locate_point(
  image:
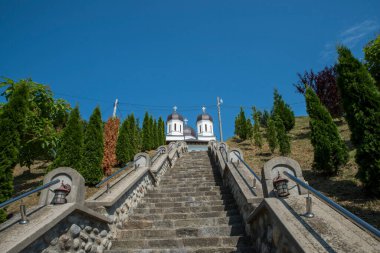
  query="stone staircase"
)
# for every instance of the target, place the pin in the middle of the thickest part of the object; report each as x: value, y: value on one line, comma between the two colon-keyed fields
x: 191, y: 211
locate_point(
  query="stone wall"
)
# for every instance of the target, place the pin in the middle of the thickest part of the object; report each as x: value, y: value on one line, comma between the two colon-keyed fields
x: 74, y: 233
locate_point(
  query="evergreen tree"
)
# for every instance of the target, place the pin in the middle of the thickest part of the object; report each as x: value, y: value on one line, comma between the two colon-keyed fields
x: 271, y: 135
x: 146, y: 133
x: 282, y: 137
x: 161, y: 130
x: 284, y: 111
x: 12, y: 125
x: 242, y: 128
x: 151, y: 132
x: 361, y: 102
x: 256, y: 128
x: 91, y: 168
x: 330, y: 152
x: 264, y: 118
x: 372, y: 59
x: 155, y: 134
x: 69, y: 153
x: 123, y: 146
x: 249, y: 129
x: 134, y: 135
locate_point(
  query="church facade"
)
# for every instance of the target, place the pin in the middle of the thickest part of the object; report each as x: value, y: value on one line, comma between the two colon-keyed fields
x: 177, y: 128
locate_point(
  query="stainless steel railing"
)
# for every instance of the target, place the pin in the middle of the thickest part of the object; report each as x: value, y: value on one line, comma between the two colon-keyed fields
x: 111, y: 176
x: 20, y: 197
x: 361, y: 223
x: 256, y: 177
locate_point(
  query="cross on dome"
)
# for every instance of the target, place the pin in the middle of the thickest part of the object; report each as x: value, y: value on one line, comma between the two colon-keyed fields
x: 186, y: 120
x: 204, y: 109
x: 175, y: 108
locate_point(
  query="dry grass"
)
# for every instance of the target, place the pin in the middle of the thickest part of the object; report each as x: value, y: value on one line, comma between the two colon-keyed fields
x: 344, y: 188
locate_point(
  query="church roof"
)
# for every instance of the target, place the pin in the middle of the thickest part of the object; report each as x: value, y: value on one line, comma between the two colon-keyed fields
x: 175, y: 115
x: 204, y: 116
x: 188, y: 131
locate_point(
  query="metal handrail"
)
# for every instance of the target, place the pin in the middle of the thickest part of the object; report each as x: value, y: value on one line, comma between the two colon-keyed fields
x: 246, y: 165
x: 111, y: 176
x: 337, y: 207
x: 225, y: 152
x: 158, y: 154
x: 40, y: 188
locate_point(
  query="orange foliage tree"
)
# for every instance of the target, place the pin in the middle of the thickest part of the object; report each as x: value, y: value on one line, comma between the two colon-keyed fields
x: 111, y: 129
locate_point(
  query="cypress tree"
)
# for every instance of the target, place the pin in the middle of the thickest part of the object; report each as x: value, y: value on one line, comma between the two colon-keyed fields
x: 330, y: 152
x: 284, y: 111
x: 69, y: 153
x: 372, y: 59
x: 361, y: 102
x: 156, y: 134
x: 123, y: 146
x: 134, y: 135
x: 12, y: 125
x: 91, y: 168
x: 242, y: 126
x: 256, y: 128
x: 271, y: 135
x: 151, y: 132
x: 282, y: 137
x: 161, y: 131
x: 146, y: 133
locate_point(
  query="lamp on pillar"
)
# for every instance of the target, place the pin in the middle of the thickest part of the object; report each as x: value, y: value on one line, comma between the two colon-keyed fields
x: 60, y: 194
x: 281, y: 185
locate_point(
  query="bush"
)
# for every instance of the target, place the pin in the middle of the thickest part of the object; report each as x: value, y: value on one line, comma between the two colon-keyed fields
x: 330, y: 152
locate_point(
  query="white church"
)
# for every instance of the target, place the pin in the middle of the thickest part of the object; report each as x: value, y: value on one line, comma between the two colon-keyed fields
x: 177, y: 128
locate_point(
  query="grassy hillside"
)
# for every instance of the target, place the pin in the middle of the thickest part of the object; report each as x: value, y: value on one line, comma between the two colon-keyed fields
x: 344, y: 188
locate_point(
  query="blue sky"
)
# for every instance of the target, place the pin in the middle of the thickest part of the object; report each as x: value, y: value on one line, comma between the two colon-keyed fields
x: 152, y: 55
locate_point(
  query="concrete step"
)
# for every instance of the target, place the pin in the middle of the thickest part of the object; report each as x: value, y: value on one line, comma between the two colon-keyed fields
x: 186, y: 188
x: 191, y: 184
x: 178, y: 243
x: 190, y: 203
x: 211, y: 195
x: 192, y: 209
x: 192, y: 199
x: 187, y: 250
x: 162, y: 224
x: 182, y: 232
x: 178, y: 216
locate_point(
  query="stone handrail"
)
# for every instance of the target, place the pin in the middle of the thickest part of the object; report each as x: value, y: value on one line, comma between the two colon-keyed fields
x: 90, y: 224
x: 275, y: 223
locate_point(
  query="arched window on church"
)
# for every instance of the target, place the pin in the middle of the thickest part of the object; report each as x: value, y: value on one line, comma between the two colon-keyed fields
x: 180, y: 128
x: 170, y: 128
x: 200, y: 128
x: 175, y: 127
x: 206, y: 128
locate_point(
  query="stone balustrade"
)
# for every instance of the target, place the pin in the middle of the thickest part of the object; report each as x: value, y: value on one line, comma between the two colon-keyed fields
x: 86, y: 225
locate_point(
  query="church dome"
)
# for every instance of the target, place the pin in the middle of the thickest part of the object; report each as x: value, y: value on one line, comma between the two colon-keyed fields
x: 204, y: 115
x: 175, y: 115
x: 188, y: 131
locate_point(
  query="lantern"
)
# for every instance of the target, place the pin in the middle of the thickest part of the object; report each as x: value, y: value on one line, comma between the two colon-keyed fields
x: 281, y: 185
x: 60, y: 194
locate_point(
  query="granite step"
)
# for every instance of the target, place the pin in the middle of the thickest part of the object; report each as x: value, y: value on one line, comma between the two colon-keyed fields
x: 200, y: 202
x: 192, y: 209
x: 178, y: 216
x: 248, y: 249
x: 182, y: 232
x: 150, y: 224
x: 177, y: 243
